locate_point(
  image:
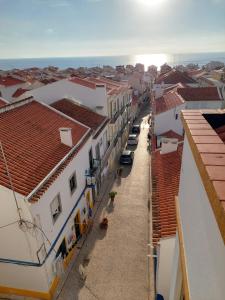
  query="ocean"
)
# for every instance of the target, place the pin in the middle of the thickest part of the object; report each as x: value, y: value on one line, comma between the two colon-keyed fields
x: 146, y: 59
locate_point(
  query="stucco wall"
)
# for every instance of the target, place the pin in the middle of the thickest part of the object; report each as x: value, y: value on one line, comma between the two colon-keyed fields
x: 164, y: 267
x: 66, y: 89
x: 204, y: 247
x: 167, y: 121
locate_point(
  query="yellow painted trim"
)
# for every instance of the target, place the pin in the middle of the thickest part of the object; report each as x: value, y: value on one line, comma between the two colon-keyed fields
x: 182, y: 253
x: 210, y: 190
x: 53, y: 287
x: 22, y: 292
x: 69, y: 257
x: 31, y: 293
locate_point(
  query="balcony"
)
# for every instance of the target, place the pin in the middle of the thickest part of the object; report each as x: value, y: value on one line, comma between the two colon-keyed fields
x: 115, y: 117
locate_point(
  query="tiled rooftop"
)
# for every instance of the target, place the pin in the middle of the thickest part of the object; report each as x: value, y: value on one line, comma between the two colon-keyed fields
x: 30, y: 137
x: 10, y: 81
x: 172, y: 135
x: 112, y: 87
x: 174, y: 77
x: 167, y: 102
x: 199, y: 94
x: 80, y: 113
x: 205, y: 131
x: 165, y: 185
x: 19, y: 92
x: 3, y: 102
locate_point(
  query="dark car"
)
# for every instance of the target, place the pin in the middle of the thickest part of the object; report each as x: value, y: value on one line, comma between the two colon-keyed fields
x: 135, y: 129
x: 127, y: 157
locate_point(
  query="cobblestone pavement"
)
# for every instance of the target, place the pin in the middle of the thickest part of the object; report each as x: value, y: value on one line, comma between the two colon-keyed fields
x: 115, y: 261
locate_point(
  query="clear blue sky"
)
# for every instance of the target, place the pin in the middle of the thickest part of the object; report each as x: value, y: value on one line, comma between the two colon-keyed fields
x: 44, y: 28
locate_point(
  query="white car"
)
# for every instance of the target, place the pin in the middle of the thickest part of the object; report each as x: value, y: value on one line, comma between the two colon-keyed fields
x: 132, y: 139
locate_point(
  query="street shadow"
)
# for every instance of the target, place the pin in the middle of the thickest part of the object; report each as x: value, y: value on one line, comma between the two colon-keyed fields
x: 118, y: 180
x: 110, y: 207
x: 126, y: 171
x: 131, y: 147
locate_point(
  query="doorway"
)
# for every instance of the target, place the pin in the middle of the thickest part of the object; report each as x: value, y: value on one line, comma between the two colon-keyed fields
x: 62, y: 249
x: 77, y: 226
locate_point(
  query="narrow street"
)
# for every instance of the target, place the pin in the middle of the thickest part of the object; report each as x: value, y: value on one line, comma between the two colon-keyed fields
x: 115, y: 260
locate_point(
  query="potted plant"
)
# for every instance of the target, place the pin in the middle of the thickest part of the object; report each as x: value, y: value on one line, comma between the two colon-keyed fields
x: 104, y: 223
x: 112, y: 195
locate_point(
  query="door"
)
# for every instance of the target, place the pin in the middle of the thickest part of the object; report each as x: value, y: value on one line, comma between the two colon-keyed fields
x: 97, y: 151
x: 77, y: 226
x: 62, y: 249
x: 91, y: 159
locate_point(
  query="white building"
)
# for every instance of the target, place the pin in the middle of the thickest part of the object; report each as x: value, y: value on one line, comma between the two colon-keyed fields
x: 166, y: 110
x: 104, y: 96
x: 46, y: 197
x: 199, y: 257
x: 98, y: 154
x: 9, y: 85
x: 169, y: 79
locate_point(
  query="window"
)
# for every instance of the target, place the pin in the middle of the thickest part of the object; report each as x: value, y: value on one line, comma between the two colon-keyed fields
x: 73, y: 183
x: 176, y: 116
x: 56, y: 208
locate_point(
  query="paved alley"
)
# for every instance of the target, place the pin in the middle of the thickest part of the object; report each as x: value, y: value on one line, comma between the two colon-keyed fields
x: 115, y: 260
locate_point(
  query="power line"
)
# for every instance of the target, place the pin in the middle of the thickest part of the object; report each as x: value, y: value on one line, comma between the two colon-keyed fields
x: 10, y: 180
x: 3, y: 226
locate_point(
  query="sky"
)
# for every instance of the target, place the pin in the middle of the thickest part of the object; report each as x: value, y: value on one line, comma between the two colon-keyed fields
x: 58, y: 28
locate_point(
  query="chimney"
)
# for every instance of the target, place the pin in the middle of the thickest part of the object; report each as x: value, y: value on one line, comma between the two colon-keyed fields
x: 168, y: 145
x: 66, y: 136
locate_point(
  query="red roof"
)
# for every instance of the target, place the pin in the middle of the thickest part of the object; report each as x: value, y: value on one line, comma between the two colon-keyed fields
x: 172, y: 135
x: 112, y: 87
x: 83, y: 82
x: 19, y: 92
x: 165, y: 186
x: 167, y: 102
x: 199, y: 94
x: 3, y: 102
x: 31, y: 140
x: 173, y: 77
x: 80, y: 113
x: 9, y: 81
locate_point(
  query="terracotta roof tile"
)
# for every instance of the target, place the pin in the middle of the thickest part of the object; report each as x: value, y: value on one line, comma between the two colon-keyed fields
x: 199, y: 94
x: 3, y: 102
x: 173, y: 77
x: 173, y: 135
x: 10, y: 81
x: 19, y: 92
x: 80, y: 113
x: 165, y: 185
x: 30, y: 137
x: 167, y: 102
x: 83, y: 82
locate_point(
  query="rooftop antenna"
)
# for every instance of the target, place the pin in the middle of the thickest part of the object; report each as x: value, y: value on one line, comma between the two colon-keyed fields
x: 10, y: 181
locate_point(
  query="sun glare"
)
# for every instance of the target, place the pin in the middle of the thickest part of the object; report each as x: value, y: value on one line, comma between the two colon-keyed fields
x: 151, y: 59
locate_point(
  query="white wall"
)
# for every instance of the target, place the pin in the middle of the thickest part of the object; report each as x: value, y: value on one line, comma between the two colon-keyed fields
x: 167, y: 121
x: 176, y: 275
x: 203, y: 104
x: 164, y: 268
x: 18, y: 244
x: 204, y: 247
x: 24, y: 245
x: 66, y: 89
x: 7, y: 92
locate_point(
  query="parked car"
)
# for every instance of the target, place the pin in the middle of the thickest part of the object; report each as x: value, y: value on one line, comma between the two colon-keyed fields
x: 132, y: 139
x: 136, y: 129
x: 127, y: 157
